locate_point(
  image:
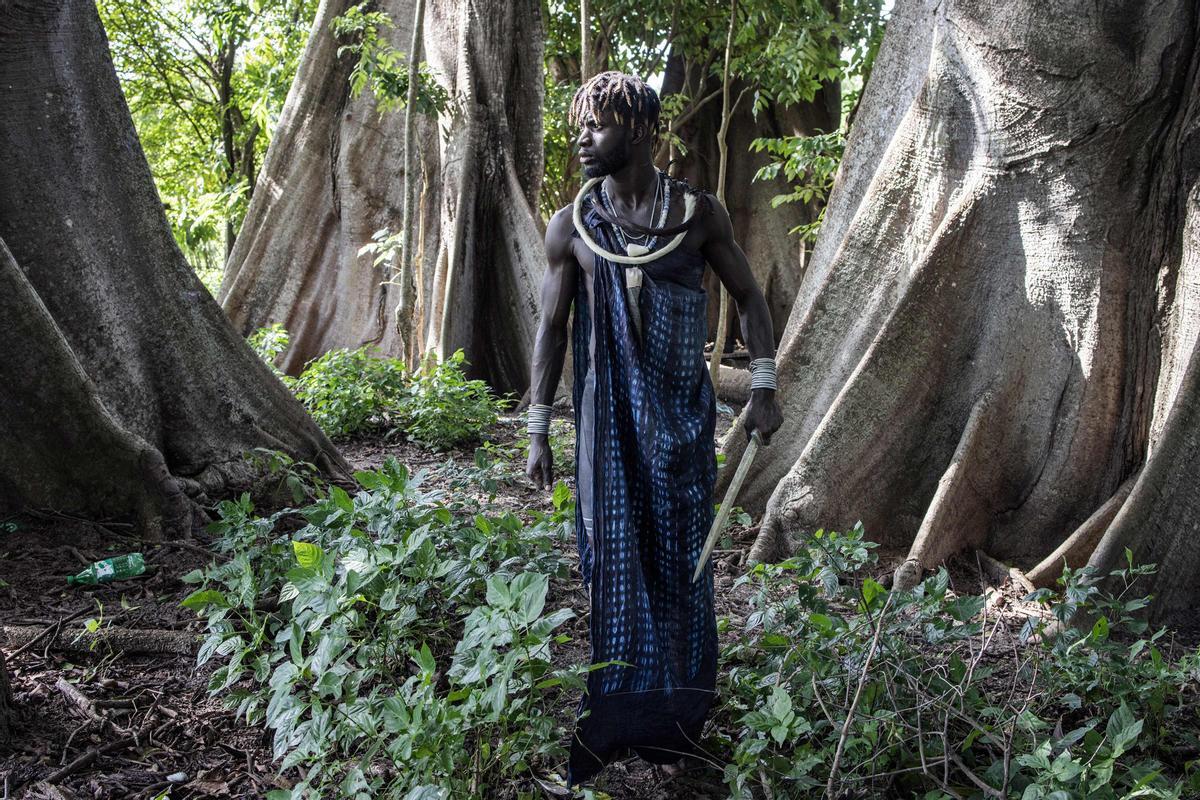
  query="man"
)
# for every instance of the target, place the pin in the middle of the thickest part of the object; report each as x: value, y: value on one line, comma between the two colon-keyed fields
x: 630, y: 254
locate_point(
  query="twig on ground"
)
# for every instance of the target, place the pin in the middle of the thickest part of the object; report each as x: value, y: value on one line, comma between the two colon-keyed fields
x: 862, y: 679
x: 86, y: 759
x: 77, y: 698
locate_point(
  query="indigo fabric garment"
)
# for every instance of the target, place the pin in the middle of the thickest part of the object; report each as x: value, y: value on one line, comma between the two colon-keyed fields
x: 653, y: 467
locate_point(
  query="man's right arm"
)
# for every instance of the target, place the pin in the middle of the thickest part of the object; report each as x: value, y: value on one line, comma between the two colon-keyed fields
x: 550, y: 346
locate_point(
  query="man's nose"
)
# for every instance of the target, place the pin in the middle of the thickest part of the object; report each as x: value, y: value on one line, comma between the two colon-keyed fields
x: 584, y: 138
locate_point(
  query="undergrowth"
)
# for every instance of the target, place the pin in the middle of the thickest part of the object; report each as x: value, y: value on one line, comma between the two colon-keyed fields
x: 841, y: 688
x: 398, y: 642
x: 397, y: 645
x: 353, y: 391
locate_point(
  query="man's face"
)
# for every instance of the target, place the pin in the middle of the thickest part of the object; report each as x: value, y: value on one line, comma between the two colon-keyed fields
x: 604, y: 145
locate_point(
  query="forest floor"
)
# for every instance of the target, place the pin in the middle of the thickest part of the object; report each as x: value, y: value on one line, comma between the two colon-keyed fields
x: 134, y: 719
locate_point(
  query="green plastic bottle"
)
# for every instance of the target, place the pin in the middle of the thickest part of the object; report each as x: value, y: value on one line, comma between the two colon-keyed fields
x: 111, y: 569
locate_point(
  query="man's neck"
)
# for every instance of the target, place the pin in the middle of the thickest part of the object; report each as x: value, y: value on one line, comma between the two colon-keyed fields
x: 634, y: 185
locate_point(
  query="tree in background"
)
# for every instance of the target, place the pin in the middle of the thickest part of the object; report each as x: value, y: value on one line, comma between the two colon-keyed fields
x: 205, y: 81
x: 310, y: 253
x: 995, y: 345
x: 128, y: 393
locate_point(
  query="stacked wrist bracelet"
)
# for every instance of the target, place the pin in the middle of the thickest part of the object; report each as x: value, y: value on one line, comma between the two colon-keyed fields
x: 539, y: 419
x: 762, y: 374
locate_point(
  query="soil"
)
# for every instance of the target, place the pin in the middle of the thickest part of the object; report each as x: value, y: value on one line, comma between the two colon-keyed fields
x: 185, y: 745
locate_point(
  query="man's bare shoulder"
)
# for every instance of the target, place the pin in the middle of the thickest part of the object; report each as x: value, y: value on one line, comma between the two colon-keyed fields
x: 558, y: 233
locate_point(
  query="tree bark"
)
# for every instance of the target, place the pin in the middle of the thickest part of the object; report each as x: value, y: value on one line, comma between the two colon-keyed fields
x: 1000, y: 310
x: 334, y: 175
x: 131, y: 394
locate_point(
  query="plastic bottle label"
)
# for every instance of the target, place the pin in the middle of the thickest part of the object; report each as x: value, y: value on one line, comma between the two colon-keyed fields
x: 104, y: 569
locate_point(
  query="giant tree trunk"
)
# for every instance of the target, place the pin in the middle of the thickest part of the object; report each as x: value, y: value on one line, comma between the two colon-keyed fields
x: 127, y: 392
x: 334, y: 175
x: 1001, y: 305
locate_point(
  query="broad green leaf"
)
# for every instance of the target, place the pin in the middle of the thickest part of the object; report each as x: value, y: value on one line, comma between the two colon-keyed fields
x: 308, y: 555
x: 199, y: 600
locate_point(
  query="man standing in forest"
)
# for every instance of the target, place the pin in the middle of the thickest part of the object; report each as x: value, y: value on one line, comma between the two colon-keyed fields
x: 630, y: 254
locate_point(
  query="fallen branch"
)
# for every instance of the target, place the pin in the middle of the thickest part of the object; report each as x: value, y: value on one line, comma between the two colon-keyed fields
x: 85, y: 760
x: 131, y: 641
x: 55, y: 626
x: 77, y: 698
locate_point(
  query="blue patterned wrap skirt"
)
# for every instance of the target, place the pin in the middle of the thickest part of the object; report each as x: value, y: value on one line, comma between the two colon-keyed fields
x: 646, y: 467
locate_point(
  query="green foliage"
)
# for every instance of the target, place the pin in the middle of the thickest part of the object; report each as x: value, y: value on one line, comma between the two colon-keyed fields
x: 397, y: 643
x: 269, y: 343
x: 442, y: 408
x: 204, y: 128
x: 351, y: 391
x: 380, y: 66
x: 348, y: 391
x: 810, y: 164
x: 943, y: 708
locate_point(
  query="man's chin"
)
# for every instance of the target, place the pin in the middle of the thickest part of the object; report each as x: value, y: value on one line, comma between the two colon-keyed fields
x: 595, y: 170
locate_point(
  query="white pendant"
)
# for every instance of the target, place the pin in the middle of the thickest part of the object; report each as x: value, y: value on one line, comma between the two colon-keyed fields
x: 636, y: 250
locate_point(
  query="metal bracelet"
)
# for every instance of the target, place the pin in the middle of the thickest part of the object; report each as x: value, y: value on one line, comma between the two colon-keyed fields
x: 763, y: 374
x: 539, y: 419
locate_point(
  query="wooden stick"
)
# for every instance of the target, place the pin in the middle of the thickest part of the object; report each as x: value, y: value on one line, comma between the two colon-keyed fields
x: 54, y: 626
x: 77, y: 698
x: 151, y: 641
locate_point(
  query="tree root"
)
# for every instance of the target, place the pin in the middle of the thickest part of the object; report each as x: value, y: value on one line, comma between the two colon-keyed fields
x: 957, y: 515
x: 1079, y: 546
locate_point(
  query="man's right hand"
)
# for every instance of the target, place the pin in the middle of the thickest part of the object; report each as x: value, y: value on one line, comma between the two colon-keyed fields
x: 540, y: 468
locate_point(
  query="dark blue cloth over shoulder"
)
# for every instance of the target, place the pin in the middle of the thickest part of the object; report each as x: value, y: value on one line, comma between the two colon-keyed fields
x: 652, y: 477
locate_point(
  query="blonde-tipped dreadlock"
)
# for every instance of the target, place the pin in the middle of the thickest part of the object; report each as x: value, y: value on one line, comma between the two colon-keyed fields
x: 629, y: 99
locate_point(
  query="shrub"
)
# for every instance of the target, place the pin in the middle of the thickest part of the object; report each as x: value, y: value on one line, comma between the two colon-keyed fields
x: 348, y: 391
x: 836, y: 686
x: 407, y: 648
x: 443, y: 409
x: 351, y: 391
x: 269, y: 342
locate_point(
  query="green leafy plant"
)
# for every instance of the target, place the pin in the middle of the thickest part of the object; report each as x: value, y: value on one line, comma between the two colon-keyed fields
x: 399, y: 642
x: 810, y: 164
x: 442, y: 408
x: 269, y: 342
x: 382, y: 67
x: 836, y: 684
x: 348, y: 391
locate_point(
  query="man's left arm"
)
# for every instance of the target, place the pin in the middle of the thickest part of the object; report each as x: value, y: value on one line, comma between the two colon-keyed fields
x: 726, y: 258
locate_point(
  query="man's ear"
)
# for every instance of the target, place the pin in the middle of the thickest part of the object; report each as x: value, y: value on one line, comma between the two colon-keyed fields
x: 641, y: 132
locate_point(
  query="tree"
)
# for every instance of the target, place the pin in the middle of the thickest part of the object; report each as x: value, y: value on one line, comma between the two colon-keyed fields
x: 130, y: 395
x: 997, y: 329
x: 205, y: 80
x: 334, y: 167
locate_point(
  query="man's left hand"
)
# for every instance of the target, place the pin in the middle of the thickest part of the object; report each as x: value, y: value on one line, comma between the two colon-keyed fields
x: 763, y: 414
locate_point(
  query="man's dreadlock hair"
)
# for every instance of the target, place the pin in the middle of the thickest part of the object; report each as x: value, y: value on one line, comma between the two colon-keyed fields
x: 629, y: 99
